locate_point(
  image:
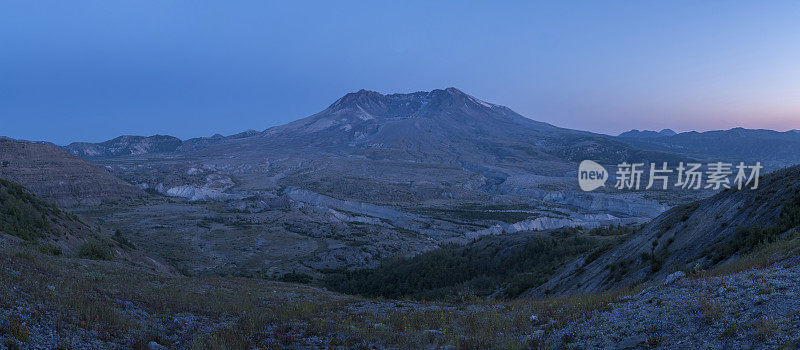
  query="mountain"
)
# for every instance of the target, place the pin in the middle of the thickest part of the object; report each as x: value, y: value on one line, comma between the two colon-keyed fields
x: 369, y: 177
x: 387, y: 148
x: 699, y: 235
x: 439, y: 126
x: 58, y: 176
x: 125, y: 146
x: 445, y: 126
x: 647, y: 133
x: 773, y: 148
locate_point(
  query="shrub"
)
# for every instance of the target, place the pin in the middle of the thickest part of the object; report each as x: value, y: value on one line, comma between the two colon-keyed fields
x: 50, y: 249
x: 94, y: 249
x: 295, y: 277
x: 122, y: 241
x: 731, y: 331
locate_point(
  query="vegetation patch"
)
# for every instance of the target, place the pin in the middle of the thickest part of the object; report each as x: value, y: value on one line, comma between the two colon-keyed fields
x: 95, y: 249
x: 489, y: 266
x: 22, y: 214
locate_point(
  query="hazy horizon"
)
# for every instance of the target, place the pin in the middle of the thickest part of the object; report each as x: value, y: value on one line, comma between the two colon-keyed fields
x: 92, y: 70
x: 176, y: 133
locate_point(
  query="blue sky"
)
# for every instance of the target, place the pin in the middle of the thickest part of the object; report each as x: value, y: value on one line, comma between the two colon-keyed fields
x: 92, y: 70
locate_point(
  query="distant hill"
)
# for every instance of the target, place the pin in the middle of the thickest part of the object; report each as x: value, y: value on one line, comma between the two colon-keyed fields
x: 55, y: 175
x: 647, y: 133
x: 125, y: 146
x: 777, y: 149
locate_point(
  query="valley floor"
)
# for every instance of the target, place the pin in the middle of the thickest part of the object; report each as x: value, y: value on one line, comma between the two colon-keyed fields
x: 52, y: 302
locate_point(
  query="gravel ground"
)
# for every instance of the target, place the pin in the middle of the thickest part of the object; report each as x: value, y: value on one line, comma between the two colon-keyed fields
x: 755, y: 309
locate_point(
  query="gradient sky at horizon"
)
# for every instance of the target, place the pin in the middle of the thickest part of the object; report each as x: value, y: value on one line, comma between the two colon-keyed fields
x: 92, y: 70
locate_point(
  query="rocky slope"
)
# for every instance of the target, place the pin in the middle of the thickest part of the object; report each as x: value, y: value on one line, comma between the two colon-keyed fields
x: 57, y: 176
x: 754, y: 309
x: 702, y: 234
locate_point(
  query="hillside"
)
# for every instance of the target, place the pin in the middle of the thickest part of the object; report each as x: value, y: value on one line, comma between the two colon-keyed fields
x: 33, y: 223
x: 26, y: 217
x: 699, y: 235
x: 54, y: 175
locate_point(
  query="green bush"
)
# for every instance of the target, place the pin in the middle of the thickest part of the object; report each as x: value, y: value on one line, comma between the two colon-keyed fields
x: 22, y: 214
x: 95, y: 249
x: 50, y: 249
x: 122, y: 242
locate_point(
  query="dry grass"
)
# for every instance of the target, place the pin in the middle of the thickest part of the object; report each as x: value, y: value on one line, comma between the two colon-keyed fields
x: 17, y: 329
x: 710, y: 310
x: 654, y: 335
x: 762, y: 257
x: 765, y: 327
x: 241, y: 312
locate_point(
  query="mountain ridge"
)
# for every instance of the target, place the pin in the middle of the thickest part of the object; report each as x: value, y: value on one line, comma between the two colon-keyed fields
x: 647, y: 133
x: 419, y: 126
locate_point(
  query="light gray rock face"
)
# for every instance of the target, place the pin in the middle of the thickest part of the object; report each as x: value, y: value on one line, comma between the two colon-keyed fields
x: 546, y: 222
x: 674, y: 277
x: 195, y: 193
x: 350, y: 206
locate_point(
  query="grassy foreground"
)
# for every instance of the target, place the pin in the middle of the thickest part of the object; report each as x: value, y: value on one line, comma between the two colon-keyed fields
x: 60, y: 300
